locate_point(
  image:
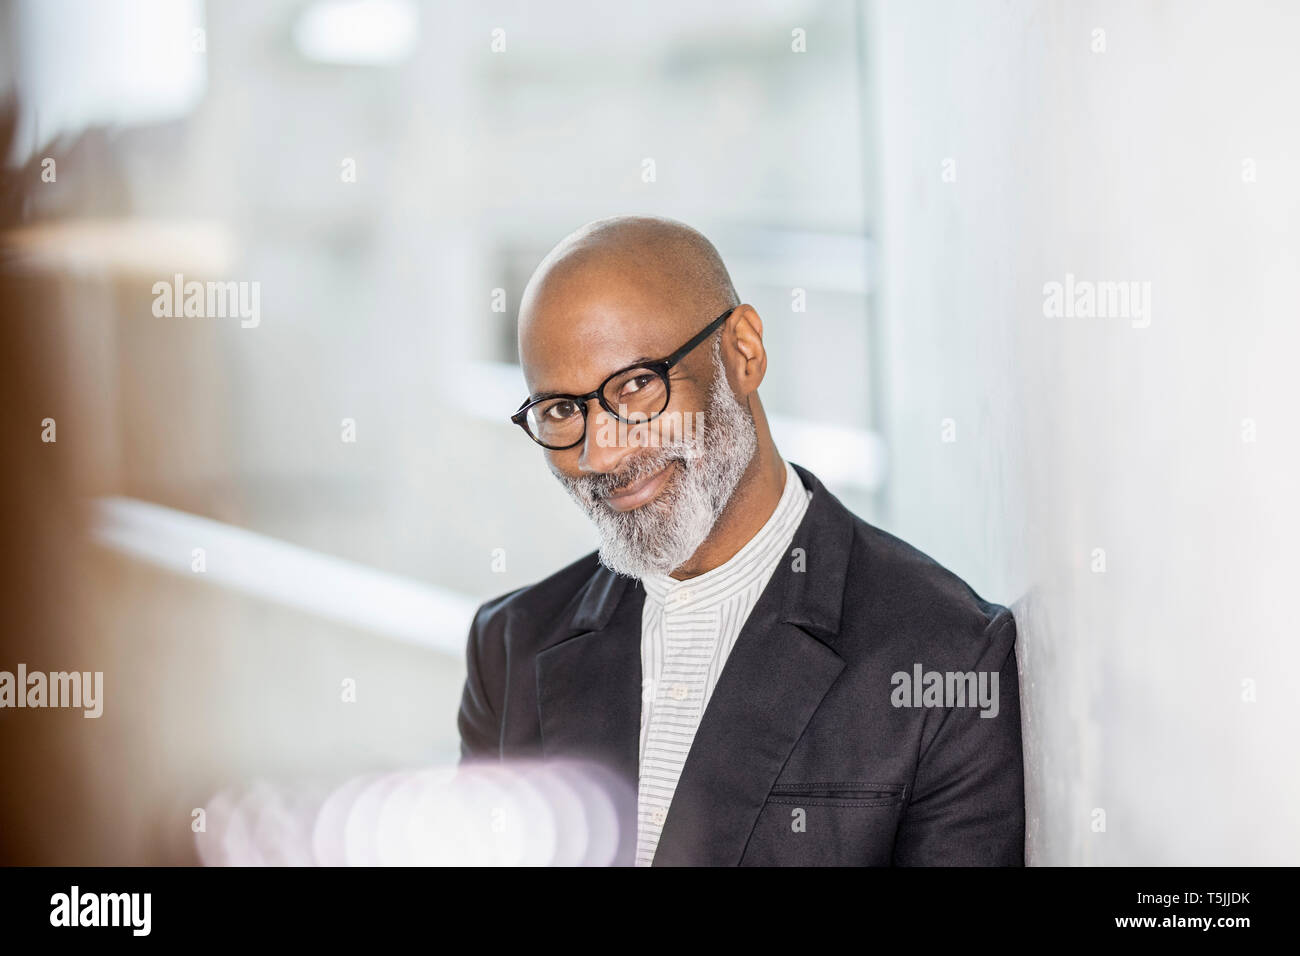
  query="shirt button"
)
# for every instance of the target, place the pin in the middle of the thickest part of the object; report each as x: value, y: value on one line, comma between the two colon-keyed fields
x: 680, y: 692
x: 658, y: 815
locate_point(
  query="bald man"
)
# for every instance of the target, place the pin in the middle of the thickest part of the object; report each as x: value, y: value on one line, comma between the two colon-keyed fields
x: 777, y: 681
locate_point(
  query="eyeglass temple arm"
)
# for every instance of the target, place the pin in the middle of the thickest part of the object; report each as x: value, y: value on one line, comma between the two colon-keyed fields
x: 704, y: 333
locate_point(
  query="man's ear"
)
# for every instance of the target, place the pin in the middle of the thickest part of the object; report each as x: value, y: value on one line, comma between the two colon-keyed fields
x: 747, y: 358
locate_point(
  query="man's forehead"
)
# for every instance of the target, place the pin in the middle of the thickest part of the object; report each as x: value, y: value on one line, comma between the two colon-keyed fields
x: 572, y: 348
x: 611, y: 296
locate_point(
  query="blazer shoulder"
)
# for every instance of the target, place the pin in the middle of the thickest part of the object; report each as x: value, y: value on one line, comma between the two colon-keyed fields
x: 488, y: 649
x: 544, y: 599
x: 924, y: 598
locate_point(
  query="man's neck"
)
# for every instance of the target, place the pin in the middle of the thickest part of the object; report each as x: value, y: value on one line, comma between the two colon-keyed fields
x: 751, y: 505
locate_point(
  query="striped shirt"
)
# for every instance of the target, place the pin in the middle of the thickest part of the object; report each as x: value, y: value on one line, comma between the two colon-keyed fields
x: 687, y: 630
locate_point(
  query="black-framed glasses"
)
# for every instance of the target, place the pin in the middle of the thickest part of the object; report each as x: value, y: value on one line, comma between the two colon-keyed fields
x: 637, y: 393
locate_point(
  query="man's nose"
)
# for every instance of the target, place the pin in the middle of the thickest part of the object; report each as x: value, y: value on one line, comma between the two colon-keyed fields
x: 606, y: 443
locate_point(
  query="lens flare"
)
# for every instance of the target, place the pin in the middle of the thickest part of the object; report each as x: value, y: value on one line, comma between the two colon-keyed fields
x: 518, y: 813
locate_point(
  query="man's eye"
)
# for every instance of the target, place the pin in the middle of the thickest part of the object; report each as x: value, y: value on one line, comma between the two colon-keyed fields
x: 560, y: 411
x: 636, y: 383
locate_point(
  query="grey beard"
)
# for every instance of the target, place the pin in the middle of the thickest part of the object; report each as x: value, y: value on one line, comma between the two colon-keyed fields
x: 661, y: 535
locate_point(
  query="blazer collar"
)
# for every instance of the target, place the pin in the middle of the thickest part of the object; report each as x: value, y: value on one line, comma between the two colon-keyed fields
x: 814, y: 596
x: 780, y: 668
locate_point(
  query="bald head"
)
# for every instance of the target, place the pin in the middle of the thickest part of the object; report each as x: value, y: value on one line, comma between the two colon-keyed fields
x: 619, y: 290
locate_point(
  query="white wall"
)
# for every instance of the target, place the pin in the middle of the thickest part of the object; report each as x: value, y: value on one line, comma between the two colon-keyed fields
x: 1075, y: 434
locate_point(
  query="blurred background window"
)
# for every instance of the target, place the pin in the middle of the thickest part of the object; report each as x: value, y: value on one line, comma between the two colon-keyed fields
x: 389, y: 173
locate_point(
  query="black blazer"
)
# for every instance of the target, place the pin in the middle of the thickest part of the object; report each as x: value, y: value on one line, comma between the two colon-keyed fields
x: 800, y: 758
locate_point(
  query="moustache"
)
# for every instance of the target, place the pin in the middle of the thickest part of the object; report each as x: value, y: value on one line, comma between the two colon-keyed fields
x: 600, y: 487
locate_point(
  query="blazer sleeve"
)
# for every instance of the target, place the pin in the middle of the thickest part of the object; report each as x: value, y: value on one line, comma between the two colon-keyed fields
x: 479, y: 719
x: 968, y: 797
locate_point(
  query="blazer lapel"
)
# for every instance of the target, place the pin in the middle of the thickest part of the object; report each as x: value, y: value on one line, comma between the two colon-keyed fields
x: 775, y: 677
x: 773, y: 681
x: 589, y: 692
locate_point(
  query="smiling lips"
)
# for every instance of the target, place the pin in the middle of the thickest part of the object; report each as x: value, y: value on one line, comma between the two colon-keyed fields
x: 641, y: 492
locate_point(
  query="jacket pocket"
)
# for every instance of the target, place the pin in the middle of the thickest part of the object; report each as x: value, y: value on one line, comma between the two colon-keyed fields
x: 834, y: 823
x: 838, y: 794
